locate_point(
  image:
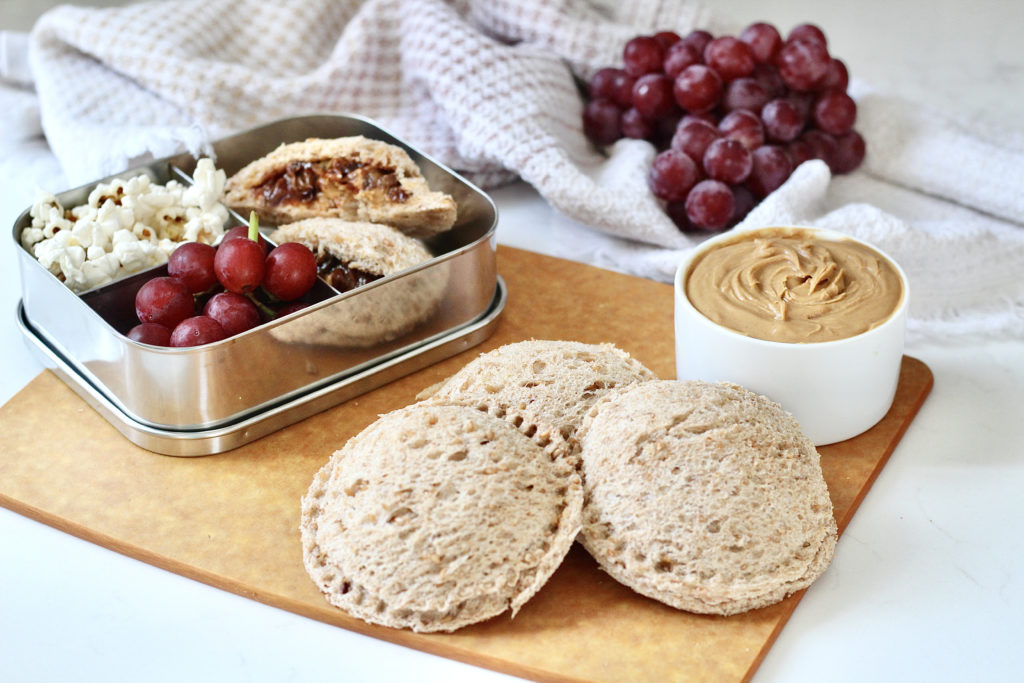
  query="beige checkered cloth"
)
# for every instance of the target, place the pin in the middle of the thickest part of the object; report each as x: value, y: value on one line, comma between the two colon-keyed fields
x: 485, y: 87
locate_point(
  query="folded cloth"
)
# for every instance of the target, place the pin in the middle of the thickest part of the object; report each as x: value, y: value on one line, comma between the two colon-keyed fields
x: 14, y: 68
x: 20, y: 116
x: 19, y: 104
x: 487, y: 86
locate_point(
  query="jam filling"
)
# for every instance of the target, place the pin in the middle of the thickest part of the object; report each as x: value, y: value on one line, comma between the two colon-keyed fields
x: 340, y: 275
x: 301, y: 182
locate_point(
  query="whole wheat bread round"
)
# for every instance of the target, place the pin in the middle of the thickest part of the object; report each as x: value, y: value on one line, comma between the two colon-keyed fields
x: 542, y: 386
x: 376, y: 314
x: 436, y: 517
x: 704, y: 496
x: 355, y: 178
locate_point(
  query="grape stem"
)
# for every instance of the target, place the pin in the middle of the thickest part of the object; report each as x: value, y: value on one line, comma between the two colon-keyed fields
x: 266, y: 310
x: 254, y: 235
x: 254, y: 226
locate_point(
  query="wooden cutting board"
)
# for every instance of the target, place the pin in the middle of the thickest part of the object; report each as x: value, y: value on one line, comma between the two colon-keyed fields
x: 230, y: 520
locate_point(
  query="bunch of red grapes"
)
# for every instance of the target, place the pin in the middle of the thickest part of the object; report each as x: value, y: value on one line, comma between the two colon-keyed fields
x: 731, y: 116
x: 211, y: 293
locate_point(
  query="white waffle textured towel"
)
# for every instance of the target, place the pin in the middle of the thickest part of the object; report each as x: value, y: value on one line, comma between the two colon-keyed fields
x: 487, y: 87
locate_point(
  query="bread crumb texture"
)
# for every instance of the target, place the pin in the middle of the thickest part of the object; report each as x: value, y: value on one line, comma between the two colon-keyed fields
x: 378, y: 314
x: 355, y: 178
x: 704, y: 496
x: 371, y: 247
x: 544, y: 386
x: 436, y: 517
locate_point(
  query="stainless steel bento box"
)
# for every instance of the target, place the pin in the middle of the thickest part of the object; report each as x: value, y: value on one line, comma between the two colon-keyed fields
x: 178, y: 398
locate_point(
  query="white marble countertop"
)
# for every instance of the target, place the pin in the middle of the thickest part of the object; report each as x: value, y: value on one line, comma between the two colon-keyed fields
x: 927, y: 582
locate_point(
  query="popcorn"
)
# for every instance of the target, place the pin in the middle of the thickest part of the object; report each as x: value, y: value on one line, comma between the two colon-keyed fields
x: 100, y: 268
x: 144, y: 232
x: 208, y: 188
x: 129, y: 252
x: 85, y: 233
x: 126, y: 225
x: 30, y: 235
x: 71, y: 259
x: 205, y: 226
x: 48, y: 251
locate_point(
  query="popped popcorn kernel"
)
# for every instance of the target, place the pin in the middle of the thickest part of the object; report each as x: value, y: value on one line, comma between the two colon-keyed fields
x: 126, y: 225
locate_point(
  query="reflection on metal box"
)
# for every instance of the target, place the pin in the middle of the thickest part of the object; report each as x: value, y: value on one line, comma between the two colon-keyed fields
x: 204, y: 399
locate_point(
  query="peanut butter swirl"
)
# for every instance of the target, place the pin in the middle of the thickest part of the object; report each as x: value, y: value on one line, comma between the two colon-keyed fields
x: 787, y: 285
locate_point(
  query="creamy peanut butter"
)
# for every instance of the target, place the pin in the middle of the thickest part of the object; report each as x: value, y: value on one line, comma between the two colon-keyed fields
x: 788, y: 285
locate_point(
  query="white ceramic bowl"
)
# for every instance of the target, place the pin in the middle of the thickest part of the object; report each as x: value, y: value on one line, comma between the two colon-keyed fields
x: 835, y: 389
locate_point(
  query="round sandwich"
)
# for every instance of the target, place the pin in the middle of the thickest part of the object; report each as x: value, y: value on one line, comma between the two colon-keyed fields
x: 352, y: 254
x: 544, y: 387
x: 704, y: 496
x: 437, y: 517
x: 354, y: 178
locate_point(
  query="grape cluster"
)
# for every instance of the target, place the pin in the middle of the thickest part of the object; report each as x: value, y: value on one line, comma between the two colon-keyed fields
x: 211, y: 293
x: 732, y: 116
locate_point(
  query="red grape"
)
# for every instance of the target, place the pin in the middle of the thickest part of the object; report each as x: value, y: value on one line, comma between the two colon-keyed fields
x: 698, y: 88
x: 764, y: 41
x: 767, y: 75
x: 710, y: 205
x: 744, y: 93
x: 803, y: 101
x: 239, y: 265
x: 677, y: 212
x: 150, y: 333
x: 834, y: 113
x: 635, y: 125
x: 728, y: 160
x: 837, y: 77
x: 235, y: 313
x: 665, y: 128
x: 782, y: 121
x: 672, y: 175
x: 602, y: 83
x: 652, y: 96
x: 601, y: 122
x: 197, y: 330
x: 744, y: 126
x: 622, y: 93
x: 743, y: 202
x: 705, y: 116
x: 699, y: 39
x: 290, y: 308
x: 192, y: 263
x: 803, y: 64
x: 612, y: 84
x: 667, y: 38
x: 799, y: 151
x: 849, y: 152
x: 643, y: 55
x: 823, y: 145
x: 165, y: 301
x: 742, y: 114
x: 772, y: 165
x: 290, y: 271
x: 680, y: 56
x: 730, y: 57
x: 693, y: 137
x: 808, y: 32
x: 242, y: 231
